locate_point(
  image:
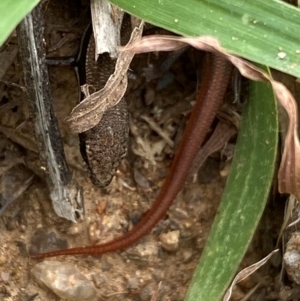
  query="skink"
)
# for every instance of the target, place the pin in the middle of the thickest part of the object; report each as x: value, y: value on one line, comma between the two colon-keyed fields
x: 211, y: 93
x: 103, y: 146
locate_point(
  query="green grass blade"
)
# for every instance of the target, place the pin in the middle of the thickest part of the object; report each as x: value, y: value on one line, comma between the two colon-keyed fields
x: 12, y: 13
x: 244, y: 197
x: 263, y: 31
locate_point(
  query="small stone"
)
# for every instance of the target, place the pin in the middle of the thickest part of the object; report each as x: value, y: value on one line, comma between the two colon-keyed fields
x: 43, y: 242
x: 64, y: 280
x: 5, y: 276
x: 170, y: 240
x: 149, y: 250
x: 187, y: 255
x: 113, y: 221
x: 292, y: 257
x: 94, y: 232
x: 188, y: 223
x: 74, y: 229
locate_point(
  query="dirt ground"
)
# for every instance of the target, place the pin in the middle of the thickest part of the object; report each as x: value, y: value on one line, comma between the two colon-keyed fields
x: 163, y: 262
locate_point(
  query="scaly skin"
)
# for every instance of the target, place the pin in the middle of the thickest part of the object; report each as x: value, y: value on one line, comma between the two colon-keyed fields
x: 211, y: 93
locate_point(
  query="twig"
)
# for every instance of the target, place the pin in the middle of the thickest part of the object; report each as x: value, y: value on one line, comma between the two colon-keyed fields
x: 66, y: 196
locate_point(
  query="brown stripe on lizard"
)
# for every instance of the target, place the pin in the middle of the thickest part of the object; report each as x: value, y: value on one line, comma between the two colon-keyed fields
x: 210, y: 97
x: 103, y: 146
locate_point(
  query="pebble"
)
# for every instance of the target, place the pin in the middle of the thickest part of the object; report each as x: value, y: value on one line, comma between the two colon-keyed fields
x: 149, y: 250
x: 291, y: 257
x: 94, y: 232
x: 64, y: 280
x: 5, y: 276
x: 170, y: 241
x: 74, y: 229
x: 43, y: 242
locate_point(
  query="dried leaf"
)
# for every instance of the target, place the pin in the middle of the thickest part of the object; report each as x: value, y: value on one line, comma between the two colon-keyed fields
x: 155, y: 127
x: 148, y: 150
x: 222, y: 133
x: 89, y: 112
x: 155, y: 295
x: 20, y: 138
x: 247, y: 272
x: 289, y: 171
x: 13, y: 184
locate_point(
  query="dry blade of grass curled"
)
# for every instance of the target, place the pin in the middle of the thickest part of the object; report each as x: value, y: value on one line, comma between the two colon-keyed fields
x: 289, y: 171
x: 90, y: 111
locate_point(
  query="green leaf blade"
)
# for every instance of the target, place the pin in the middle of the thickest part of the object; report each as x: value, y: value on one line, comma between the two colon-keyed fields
x: 266, y: 32
x: 244, y: 198
x: 12, y: 13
